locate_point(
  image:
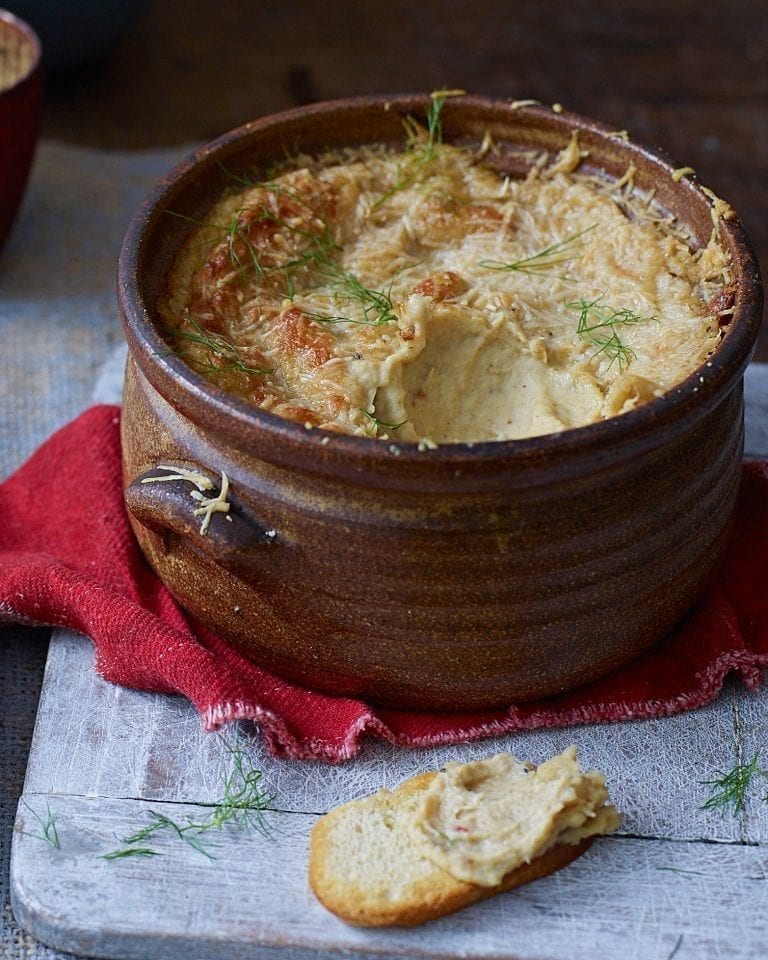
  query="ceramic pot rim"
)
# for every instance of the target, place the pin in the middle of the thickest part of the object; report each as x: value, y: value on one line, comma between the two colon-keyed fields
x: 290, y: 444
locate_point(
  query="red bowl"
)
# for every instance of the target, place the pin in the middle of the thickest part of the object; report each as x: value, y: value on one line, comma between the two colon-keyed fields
x: 21, y: 89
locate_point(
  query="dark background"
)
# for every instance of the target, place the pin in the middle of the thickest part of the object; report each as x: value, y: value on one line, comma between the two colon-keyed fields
x: 690, y: 77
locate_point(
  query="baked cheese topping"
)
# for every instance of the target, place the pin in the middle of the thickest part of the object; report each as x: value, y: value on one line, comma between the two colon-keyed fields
x: 425, y: 297
x: 478, y: 821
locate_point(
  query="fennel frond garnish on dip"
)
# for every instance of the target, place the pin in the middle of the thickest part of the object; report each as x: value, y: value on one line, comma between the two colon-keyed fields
x: 424, y: 295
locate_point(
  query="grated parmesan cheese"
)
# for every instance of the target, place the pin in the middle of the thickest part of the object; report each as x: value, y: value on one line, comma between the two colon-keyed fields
x: 180, y: 473
x: 207, y: 505
x: 210, y: 505
x: 433, y: 296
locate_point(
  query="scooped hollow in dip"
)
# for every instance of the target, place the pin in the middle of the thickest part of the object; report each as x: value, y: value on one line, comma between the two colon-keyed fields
x: 423, y: 296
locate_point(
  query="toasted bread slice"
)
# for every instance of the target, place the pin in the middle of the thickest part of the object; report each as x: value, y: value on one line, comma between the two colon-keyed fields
x: 365, y: 867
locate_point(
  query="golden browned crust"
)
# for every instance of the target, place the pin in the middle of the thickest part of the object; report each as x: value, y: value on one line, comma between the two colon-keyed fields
x: 409, y: 889
x: 448, y: 304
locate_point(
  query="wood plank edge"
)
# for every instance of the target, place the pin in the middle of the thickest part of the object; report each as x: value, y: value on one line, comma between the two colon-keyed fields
x: 59, y: 934
x: 49, y: 924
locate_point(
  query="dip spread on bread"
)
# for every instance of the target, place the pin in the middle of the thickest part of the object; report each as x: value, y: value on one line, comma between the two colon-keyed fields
x: 478, y: 821
x: 443, y: 840
x: 422, y: 295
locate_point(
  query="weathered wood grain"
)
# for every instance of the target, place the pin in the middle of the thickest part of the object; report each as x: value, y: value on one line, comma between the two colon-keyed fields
x: 93, y: 739
x: 626, y: 898
x: 751, y: 715
x: 103, y: 757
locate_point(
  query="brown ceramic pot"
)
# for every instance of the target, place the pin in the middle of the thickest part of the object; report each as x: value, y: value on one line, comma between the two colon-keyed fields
x: 464, y: 577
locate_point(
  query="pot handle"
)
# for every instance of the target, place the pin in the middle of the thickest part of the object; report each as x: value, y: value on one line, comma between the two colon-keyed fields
x: 187, y: 502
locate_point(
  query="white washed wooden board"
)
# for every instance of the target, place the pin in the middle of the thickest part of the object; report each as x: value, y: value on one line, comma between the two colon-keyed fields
x: 258, y: 904
x: 102, y: 757
x: 94, y: 739
x: 676, y: 880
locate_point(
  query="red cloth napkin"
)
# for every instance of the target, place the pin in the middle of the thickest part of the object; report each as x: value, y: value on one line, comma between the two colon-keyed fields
x: 68, y: 557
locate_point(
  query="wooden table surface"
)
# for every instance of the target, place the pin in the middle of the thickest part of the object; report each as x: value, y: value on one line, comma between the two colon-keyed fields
x: 675, y: 879
x: 687, y: 76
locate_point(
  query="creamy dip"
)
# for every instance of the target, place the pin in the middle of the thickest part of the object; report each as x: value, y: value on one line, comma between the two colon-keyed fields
x: 478, y: 821
x: 424, y: 296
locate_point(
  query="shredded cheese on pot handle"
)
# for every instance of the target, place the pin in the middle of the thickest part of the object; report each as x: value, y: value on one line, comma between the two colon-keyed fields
x: 207, y: 505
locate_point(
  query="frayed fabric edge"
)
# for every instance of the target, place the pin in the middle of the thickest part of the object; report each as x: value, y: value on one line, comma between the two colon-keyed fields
x: 281, y: 742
